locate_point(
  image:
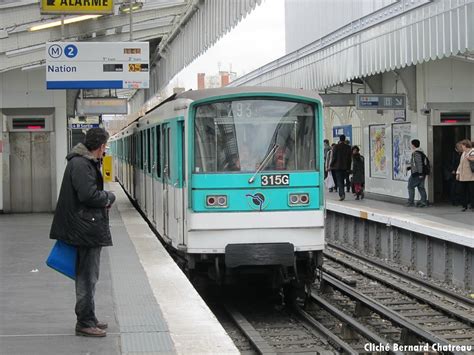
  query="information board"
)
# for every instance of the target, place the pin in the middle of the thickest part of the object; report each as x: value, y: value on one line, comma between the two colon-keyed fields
x: 345, y: 130
x: 380, y: 102
x: 97, y: 65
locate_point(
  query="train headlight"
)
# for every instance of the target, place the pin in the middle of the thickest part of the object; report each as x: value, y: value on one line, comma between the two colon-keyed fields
x: 298, y: 200
x: 216, y: 201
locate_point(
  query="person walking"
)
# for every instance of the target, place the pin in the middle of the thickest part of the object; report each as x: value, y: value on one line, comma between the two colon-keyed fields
x: 328, y: 169
x: 327, y: 148
x: 417, y: 177
x: 358, y: 173
x: 341, y: 164
x: 81, y: 219
x: 465, y: 174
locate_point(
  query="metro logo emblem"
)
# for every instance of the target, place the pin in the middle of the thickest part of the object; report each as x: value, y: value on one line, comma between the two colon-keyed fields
x: 77, y: 6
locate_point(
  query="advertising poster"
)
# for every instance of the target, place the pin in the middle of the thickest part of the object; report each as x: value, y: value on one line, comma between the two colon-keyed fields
x: 378, y: 158
x: 401, y: 150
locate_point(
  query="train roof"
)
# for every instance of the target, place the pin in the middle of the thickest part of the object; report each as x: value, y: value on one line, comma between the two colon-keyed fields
x: 208, y: 93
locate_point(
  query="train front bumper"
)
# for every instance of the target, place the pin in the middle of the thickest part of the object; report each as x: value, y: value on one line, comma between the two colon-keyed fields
x: 211, y: 233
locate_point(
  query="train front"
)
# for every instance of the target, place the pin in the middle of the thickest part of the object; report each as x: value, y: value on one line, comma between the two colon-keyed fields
x: 256, y: 192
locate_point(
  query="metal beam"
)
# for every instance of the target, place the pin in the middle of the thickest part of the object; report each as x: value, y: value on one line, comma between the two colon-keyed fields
x: 23, y: 38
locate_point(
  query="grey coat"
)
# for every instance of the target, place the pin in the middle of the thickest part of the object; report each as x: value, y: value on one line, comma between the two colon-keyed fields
x: 81, y: 217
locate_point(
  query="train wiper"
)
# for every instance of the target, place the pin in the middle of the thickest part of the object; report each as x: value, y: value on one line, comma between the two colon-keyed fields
x: 264, y: 162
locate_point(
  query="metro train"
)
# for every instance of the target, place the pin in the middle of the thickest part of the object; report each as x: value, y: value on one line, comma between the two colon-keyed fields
x: 232, y: 180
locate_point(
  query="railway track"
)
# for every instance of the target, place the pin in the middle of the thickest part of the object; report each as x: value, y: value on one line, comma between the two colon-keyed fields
x: 295, y: 330
x: 417, y: 313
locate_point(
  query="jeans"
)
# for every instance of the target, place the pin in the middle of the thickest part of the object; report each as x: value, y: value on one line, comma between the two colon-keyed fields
x: 416, y: 181
x: 87, y: 274
x: 467, y: 193
x: 340, y: 177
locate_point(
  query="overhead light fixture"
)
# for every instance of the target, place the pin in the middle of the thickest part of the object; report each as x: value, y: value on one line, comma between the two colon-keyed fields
x: 34, y: 66
x: 125, y: 7
x: 24, y: 50
x: 66, y: 22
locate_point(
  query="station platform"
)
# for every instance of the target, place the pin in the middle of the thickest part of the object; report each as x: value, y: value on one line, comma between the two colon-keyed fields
x: 149, y: 304
x: 444, y: 222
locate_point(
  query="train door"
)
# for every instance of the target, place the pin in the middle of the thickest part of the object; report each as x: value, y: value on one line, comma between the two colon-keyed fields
x: 182, y: 182
x: 152, y: 157
x: 165, y: 139
x: 144, y: 165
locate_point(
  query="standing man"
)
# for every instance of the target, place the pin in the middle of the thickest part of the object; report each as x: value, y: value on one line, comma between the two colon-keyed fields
x: 341, y: 164
x: 327, y: 148
x: 82, y: 219
x: 417, y: 177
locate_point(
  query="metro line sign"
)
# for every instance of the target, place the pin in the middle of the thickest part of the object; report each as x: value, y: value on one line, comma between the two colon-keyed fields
x: 97, y: 65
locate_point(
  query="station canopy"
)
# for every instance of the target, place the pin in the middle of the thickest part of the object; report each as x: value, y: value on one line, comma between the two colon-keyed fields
x: 178, y: 31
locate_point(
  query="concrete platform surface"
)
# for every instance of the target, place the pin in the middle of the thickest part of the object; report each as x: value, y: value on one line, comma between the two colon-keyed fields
x: 443, y: 221
x: 149, y: 304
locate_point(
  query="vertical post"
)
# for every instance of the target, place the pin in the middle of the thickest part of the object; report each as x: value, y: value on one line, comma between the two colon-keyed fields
x: 131, y: 21
x: 62, y: 28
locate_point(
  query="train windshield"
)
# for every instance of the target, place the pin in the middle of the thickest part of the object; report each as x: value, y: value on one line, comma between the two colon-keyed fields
x: 245, y: 135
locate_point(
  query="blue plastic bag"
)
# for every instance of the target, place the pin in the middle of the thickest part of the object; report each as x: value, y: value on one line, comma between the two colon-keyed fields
x: 63, y: 259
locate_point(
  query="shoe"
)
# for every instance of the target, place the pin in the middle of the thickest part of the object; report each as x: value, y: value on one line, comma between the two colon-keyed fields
x: 357, y: 197
x: 330, y: 190
x: 342, y: 198
x: 102, y: 325
x: 409, y: 204
x: 361, y: 195
x: 91, y: 332
x: 421, y: 204
x: 464, y: 210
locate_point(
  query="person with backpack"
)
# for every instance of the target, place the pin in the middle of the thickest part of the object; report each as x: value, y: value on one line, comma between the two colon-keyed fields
x: 420, y: 168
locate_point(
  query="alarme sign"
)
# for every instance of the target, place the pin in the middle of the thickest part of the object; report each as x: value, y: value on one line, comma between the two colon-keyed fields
x: 97, y: 65
x: 77, y: 6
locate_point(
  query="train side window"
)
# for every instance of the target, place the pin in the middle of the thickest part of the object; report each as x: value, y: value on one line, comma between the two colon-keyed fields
x: 148, y: 151
x: 158, y: 151
x: 142, y: 153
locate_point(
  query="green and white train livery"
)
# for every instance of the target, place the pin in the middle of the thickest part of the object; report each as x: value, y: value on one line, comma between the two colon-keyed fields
x: 232, y: 179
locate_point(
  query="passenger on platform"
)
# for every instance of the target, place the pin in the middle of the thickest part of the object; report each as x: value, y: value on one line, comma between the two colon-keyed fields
x: 347, y: 181
x: 341, y: 164
x: 455, y: 196
x: 330, y: 176
x: 465, y: 174
x: 417, y: 178
x: 327, y: 148
x: 82, y: 219
x: 358, y: 173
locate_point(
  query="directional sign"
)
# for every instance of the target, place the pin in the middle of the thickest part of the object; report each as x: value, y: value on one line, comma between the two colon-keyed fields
x: 77, y: 6
x: 97, y: 65
x: 83, y: 125
x: 380, y: 102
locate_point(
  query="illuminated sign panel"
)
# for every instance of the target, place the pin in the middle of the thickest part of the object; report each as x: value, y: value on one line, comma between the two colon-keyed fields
x: 77, y: 6
x: 97, y: 65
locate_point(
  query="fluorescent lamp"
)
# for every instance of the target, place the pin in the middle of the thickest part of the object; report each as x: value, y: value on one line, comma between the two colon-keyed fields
x: 66, y: 22
x: 125, y: 7
x: 24, y: 50
x: 34, y: 66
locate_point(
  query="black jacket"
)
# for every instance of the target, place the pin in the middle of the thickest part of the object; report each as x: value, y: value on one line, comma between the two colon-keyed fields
x: 341, y: 157
x: 358, y: 173
x: 81, y: 217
